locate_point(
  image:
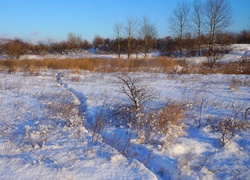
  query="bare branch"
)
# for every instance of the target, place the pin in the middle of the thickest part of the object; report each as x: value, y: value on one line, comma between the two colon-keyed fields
x: 118, y: 27
x: 130, y: 30
x: 148, y: 33
x: 218, y: 15
x: 179, y: 22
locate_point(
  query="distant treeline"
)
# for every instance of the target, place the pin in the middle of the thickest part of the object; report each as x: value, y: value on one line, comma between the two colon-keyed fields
x: 14, y: 48
x: 198, y: 29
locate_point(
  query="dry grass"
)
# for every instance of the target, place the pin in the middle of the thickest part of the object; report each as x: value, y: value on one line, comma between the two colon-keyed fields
x: 228, y: 68
x: 163, y: 125
x: 236, y: 68
x: 92, y: 64
x: 160, y: 64
x: 170, y: 115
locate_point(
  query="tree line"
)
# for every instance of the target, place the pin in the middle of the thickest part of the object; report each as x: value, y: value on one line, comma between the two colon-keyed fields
x: 196, y: 29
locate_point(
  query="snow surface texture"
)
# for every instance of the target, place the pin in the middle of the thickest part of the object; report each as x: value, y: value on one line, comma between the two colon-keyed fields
x: 40, y: 141
x: 47, y: 128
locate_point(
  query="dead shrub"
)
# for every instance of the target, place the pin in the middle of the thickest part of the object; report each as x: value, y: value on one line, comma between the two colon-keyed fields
x: 164, y: 118
x: 161, y: 126
x: 227, y: 129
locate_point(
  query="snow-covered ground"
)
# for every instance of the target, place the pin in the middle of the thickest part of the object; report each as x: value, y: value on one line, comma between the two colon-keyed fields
x: 37, y: 142
x: 47, y: 128
x: 238, y: 52
x: 64, y: 125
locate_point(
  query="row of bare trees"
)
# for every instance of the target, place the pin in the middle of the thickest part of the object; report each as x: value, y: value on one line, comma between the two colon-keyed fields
x: 140, y: 35
x: 206, y: 17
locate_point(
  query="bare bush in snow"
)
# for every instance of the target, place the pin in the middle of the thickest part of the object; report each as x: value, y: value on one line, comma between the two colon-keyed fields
x: 227, y: 129
x: 137, y: 95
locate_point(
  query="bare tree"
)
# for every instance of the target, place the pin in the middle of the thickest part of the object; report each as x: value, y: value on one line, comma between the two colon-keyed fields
x: 118, y: 30
x: 135, y: 93
x: 98, y: 41
x: 148, y: 33
x: 130, y: 30
x: 198, y: 20
x: 74, y: 41
x: 218, y: 15
x: 179, y: 22
x: 138, y: 95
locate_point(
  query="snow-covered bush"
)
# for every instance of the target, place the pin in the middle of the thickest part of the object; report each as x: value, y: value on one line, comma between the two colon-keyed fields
x: 34, y: 136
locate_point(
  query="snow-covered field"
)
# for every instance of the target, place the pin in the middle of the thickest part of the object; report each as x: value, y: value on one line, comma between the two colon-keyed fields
x: 47, y: 125
x: 64, y: 125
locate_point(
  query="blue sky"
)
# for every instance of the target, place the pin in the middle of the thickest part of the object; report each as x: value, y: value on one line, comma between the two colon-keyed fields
x: 54, y: 19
